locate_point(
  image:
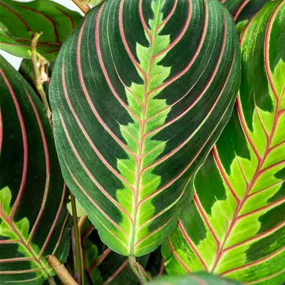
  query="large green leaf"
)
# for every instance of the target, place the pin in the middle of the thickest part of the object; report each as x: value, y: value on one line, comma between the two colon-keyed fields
x: 201, y: 278
x: 33, y: 216
x: 235, y: 226
x: 243, y: 9
x: 20, y: 21
x: 139, y: 94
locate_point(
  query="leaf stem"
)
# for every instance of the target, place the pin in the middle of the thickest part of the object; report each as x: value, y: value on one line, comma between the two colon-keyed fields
x: 83, y: 7
x: 61, y: 271
x: 51, y: 281
x: 138, y: 270
x: 79, y: 268
x: 38, y: 62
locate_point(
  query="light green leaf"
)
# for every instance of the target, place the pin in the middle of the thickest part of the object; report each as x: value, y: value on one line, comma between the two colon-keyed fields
x: 235, y: 226
x: 201, y: 278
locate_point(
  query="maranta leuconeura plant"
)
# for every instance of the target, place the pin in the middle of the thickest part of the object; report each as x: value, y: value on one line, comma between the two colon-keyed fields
x: 167, y: 127
x: 140, y: 92
x: 235, y: 227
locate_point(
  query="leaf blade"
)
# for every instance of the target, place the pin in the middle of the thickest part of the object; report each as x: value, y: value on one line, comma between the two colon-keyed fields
x: 140, y: 103
x: 241, y: 231
x: 28, y: 233
x: 193, y: 279
x: 19, y: 21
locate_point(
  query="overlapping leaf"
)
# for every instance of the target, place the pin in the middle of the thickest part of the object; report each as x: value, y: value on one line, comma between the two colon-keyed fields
x: 139, y: 94
x: 33, y: 217
x: 20, y: 21
x: 105, y: 266
x: 243, y: 9
x: 235, y: 227
x: 202, y: 278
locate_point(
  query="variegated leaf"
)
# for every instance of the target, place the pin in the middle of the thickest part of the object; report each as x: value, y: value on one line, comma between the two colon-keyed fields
x: 201, y: 278
x: 33, y: 216
x: 235, y: 226
x: 140, y: 92
x: 243, y: 10
x: 20, y: 21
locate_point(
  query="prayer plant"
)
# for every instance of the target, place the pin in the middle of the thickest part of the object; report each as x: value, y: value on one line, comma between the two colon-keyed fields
x: 142, y: 138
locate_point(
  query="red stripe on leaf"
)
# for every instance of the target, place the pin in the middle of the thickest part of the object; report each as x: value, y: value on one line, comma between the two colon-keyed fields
x: 95, y: 204
x: 25, y: 143
x: 224, y: 175
x: 189, y: 165
x: 180, y: 36
x: 99, y: 260
x: 84, y: 132
x: 266, y: 258
x: 95, y: 112
x: 87, y: 171
x: 17, y: 15
x: 205, y: 218
x: 186, y: 111
x: 47, y: 18
x: 54, y: 222
x: 191, y: 244
x: 194, y: 57
x: 47, y: 164
x: 103, y: 68
x: 164, y: 22
x: 142, y: 21
x: 178, y: 258
x: 152, y: 233
x: 116, y: 273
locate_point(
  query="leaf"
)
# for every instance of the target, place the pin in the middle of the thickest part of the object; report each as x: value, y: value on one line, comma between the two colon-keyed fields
x: 19, y: 21
x: 243, y: 10
x: 33, y: 217
x: 103, y: 265
x: 201, y: 278
x: 140, y: 92
x: 92, y: 2
x: 235, y: 226
x: 155, y: 264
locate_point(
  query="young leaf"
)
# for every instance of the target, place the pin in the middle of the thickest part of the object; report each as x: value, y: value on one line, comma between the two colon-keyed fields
x: 19, y: 21
x: 201, y: 278
x: 140, y: 92
x: 33, y: 217
x: 235, y: 226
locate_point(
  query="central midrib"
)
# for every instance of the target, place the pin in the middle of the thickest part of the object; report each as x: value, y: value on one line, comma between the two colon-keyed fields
x: 249, y: 187
x: 142, y: 138
x: 25, y: 244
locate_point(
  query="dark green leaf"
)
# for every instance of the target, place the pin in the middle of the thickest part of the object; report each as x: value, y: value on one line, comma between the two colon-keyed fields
x: 201, y: 278
x: 243, y: 10
x: 33, y: 216
x: 20, y: 21
x: 140, y: 92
